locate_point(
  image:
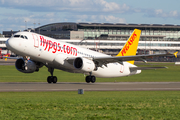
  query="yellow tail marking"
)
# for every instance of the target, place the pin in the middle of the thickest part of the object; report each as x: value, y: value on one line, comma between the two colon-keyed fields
x: 131, y: 45
x: 175, y: 54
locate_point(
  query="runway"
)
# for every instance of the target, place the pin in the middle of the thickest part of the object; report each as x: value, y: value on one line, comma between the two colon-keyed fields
x: 7, y: 62
x: 63, y: 86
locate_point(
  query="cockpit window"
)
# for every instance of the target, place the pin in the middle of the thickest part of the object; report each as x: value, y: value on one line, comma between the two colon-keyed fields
x: 22, y: 36
x: 25, y: 37
x: 16, y: 36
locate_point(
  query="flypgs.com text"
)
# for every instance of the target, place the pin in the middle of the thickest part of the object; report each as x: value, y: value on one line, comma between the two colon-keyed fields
x: 56, y: 46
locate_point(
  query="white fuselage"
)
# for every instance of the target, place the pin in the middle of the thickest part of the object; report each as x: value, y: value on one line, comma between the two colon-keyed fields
x: 55, y: 53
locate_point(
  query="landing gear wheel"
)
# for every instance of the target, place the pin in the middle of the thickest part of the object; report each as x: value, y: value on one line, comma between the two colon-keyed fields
x: 93, y: 79
x: 54, y: 80
x: 88, y: 79
x: 49, y: 79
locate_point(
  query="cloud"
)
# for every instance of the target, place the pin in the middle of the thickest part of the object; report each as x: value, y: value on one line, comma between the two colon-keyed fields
x: 159, y: 13
x: 13, y: 21
x: 174, y: 13
x: 65, y: 5
x: 107, y: 6
x: 2, y: 1
x: 52, y: 11
x: 113, y: 19
x: 98, y: 19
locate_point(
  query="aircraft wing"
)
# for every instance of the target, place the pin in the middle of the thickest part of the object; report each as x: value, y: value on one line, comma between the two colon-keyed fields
x: 105, y: 60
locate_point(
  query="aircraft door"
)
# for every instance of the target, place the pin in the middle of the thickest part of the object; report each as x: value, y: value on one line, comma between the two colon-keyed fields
x: 37, y: 48
x: 36, y: 40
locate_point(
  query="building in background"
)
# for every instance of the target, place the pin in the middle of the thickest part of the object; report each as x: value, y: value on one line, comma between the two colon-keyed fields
x: 110, y: 38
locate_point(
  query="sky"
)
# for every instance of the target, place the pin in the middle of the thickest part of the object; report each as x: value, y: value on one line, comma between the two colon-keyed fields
x: 21, y: 14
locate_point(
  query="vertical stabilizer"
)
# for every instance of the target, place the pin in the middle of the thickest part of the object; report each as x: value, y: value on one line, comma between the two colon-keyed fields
x: 131, y: 45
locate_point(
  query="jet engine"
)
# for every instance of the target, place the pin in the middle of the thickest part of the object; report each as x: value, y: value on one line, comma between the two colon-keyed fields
x: 26, y: 66
x: 84, y: 64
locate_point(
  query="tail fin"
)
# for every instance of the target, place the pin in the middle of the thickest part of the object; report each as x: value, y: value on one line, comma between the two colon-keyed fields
x: 131, y: 45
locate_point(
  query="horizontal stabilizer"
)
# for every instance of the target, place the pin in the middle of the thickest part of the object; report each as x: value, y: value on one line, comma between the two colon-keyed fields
x: 145, y: 68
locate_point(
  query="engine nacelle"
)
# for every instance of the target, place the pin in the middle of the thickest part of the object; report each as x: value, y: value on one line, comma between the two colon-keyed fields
x: 84, y: 64
x: 28, y: 67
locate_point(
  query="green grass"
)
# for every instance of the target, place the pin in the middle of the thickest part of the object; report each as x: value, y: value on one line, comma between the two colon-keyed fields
x: 119, y: 105
x: 172, y: 74
x: 107, y: 105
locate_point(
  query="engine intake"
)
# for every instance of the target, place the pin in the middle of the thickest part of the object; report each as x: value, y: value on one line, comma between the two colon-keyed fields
x: 28, y: 67
x: 84, y: 64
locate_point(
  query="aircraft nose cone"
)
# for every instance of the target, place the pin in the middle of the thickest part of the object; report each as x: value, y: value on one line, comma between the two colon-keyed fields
x: 7, y: 44
x: 10, y: 44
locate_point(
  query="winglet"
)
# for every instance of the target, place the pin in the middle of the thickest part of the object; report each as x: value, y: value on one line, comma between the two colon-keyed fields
x: 175, y: 54
x: 131, y: 45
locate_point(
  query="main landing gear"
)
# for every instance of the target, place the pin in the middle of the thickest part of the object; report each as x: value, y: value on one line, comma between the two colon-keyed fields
x: 51, y: 79
x: 90, y: 78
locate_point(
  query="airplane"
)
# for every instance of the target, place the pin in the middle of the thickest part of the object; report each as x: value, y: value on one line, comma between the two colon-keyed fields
x: 38, y: 51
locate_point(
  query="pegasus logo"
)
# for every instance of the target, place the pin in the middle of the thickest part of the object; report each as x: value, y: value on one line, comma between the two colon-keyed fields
x: 128, y: 44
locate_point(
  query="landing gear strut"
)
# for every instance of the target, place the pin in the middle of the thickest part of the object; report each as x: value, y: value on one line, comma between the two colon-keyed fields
x: 51, y: 79
x: 90, y: 78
